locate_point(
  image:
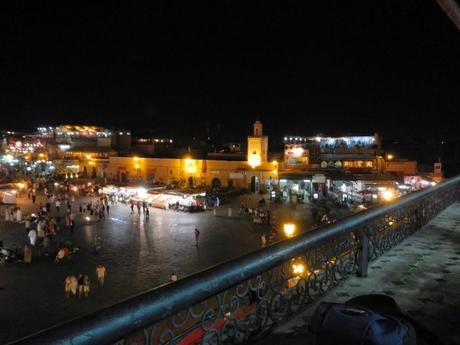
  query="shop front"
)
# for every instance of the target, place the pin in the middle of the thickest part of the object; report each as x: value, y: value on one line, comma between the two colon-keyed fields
x: 302, y: 187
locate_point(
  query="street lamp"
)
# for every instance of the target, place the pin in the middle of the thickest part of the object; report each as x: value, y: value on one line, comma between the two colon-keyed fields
x: 298, y: 268
x: 289, y: 229
x: 190, y: 166
x: 388, y: 195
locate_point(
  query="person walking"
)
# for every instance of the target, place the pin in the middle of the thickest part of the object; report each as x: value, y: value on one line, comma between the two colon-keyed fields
x: 73, y: 285
x: 263, y: 240
x: 40, y: 232
x: 27, y: 224
x: 58, y: 206
x: 32, y: 237
x: 108, y: 209
x: 97, y: 243
x: 86, y: 285
x: 80, y: 281
x: 18, y: 215
x: 197, y: 236
x: 67, y: 286
x: 101, y: 272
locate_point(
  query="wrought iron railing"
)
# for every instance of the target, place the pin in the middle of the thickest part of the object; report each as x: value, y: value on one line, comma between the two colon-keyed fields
x: 243, y: 299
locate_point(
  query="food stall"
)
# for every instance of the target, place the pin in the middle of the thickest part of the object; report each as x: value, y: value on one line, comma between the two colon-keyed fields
x: 158, y: 197
x: 8, y: 193
x: 8, y: 196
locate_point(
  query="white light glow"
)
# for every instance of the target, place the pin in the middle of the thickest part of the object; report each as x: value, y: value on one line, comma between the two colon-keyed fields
x: 297, y: 151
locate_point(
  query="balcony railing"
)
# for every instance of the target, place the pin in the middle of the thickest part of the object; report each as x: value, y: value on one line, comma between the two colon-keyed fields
x: 243, y: 299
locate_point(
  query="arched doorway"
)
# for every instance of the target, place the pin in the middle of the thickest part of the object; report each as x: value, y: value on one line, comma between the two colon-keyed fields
x: 254, y: 184
x: 191, y: 182
x: 85, y: 171
x: 215, y: 183
x: 93, y: 172
x: 124, y: 177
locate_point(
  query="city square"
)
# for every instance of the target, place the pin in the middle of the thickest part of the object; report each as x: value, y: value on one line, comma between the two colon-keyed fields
x: 138, y: 253
x: 217, y: 173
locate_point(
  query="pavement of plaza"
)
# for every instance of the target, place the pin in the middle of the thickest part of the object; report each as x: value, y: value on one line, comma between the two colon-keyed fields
x: 422, y: 274
x: 139, y: 254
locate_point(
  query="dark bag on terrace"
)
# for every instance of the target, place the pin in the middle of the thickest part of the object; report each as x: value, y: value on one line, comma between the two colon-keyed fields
x: 353, y: 324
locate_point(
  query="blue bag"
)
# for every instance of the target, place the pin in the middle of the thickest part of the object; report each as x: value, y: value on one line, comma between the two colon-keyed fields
x: 335, y: 323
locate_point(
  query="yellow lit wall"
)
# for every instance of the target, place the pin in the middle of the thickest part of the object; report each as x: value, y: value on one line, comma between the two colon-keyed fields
x: 167, y: 170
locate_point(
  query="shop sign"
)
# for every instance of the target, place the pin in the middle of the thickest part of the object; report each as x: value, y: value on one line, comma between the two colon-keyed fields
x: 319, y: 179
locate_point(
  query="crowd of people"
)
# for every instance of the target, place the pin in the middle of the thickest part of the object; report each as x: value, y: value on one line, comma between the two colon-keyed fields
x: 80, y: 285
x: 57, y: 208
x: 56, y: 211
x: 13, y: 214
x: 139, y: 205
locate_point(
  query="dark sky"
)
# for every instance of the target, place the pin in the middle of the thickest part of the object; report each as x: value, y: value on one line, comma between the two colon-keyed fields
x: 336, y: 67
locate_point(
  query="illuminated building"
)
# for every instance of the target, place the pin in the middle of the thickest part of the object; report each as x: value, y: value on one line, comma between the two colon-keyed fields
x: 355, y: 153
x: 257, y: 146
x: 189, y: 172
x: 312, y: 164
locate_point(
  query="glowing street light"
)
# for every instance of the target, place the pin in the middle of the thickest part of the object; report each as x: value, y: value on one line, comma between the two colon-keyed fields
x: 390, y: 156
x: 298, y: 269
x: 289, y: 229
x: 190, y: 165
x: 388, y: 195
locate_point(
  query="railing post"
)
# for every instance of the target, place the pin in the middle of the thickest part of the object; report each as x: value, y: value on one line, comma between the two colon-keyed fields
x: 363, y: 253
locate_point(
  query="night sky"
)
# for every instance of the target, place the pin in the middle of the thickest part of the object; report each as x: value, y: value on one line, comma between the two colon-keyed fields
x: 177, y: 68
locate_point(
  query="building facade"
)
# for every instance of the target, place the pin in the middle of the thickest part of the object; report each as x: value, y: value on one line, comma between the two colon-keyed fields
x: 189, y: 172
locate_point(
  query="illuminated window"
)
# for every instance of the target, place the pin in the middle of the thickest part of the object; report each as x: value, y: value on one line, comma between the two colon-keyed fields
x: 348, y: 164
x: 369, y: 164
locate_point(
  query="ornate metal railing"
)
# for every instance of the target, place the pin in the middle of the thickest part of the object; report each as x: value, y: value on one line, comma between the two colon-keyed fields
x: 243, y: 299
